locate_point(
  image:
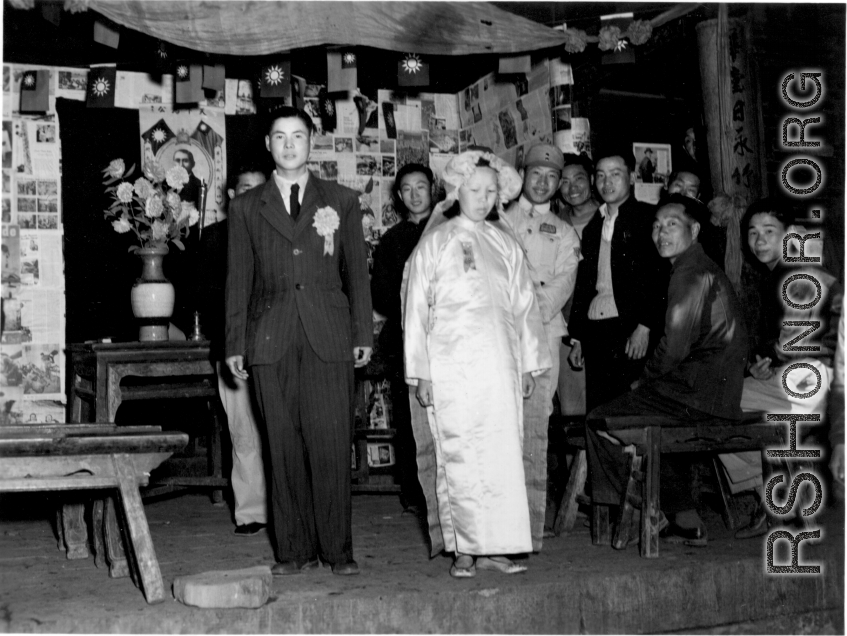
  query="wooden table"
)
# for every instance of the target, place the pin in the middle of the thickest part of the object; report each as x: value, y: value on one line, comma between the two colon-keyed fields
x: 180, y: 369
x: 81, y: 457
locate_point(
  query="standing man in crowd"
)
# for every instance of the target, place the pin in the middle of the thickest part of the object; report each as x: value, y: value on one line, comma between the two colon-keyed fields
x: 413, y: 201
x: 248, y: 471
x: 618, y: 301
x: 299, y: 317
x: 696, y: 372
x: 552, y: 248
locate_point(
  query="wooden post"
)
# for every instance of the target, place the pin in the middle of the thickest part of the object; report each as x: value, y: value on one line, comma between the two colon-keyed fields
x: 731, y: 107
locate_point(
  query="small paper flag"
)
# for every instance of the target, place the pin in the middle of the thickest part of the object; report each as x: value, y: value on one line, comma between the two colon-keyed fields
x: 213, y: 77
x: 326, y: 105
x: 104, y: 34
x: 514, y: 64
x: 276, y: 79
x: 35, y: 92
x: 101, y: 88
x: 341, y: 71
x: 412, y: 71
x: 157, y: 135
x: 188, y: 83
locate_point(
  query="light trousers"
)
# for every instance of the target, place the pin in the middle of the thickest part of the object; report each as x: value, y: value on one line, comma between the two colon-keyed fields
x: 248, y: 470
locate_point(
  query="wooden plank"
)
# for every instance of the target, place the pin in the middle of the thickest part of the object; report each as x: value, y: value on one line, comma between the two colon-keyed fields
x: 34, y: 484
x: 142, y: 543
x: 576, y: 482
x: 144, y: 442
x: 650, y: 495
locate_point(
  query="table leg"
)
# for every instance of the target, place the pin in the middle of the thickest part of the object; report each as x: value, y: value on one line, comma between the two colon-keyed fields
x: 142, y: 543
x: 118, y: 565
x: 98, y: 530
x: 576, y: 482
x: 214, y: 449
x: 650, y: 492
x: 75, y: 530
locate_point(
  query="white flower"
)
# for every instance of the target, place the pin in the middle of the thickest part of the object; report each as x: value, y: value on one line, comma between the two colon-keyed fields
x: 121, y: 225
x: 188, y: 212
x: 116, y: 168
x: 154, y: 207
x: 176, y: 176
x: 173, y: 200
x: 193, y: 216
x: 154, y: 172
x: 124, y: 192
x: 326, y: 222
x: 143, y: 187
x: 159, y: 231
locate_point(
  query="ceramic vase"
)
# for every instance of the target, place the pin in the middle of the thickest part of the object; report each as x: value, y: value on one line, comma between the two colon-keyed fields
x: 152, y: 295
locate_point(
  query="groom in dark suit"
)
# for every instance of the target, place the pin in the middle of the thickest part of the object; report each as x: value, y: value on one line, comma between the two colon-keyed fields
x: 298, y: 315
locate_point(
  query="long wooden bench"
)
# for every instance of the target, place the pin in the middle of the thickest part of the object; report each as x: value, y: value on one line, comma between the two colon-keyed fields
x: 94, y: 456
x: 652, y: 436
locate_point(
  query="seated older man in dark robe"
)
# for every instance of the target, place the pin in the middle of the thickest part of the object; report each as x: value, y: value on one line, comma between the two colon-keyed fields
x: 695, y: 374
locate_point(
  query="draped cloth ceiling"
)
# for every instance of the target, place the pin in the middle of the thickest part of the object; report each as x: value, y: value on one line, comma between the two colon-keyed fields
x: 260, y: 28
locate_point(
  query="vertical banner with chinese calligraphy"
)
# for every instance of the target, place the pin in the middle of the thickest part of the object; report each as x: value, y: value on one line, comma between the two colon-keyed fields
x: 731, y: 108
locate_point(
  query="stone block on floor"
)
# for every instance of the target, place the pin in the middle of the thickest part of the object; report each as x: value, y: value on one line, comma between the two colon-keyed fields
x: 249, y: 587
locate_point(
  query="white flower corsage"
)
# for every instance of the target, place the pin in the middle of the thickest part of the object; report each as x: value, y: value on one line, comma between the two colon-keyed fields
x: 326, y: 222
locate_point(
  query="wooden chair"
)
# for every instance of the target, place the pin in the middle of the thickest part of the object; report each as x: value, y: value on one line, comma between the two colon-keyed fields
x: 652, y: 436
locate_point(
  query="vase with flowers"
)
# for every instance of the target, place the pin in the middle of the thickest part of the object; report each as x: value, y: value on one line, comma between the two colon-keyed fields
x: 150, y: 206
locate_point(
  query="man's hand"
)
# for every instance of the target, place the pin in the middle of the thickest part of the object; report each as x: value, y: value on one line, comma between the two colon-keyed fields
x: 636, y: 344
x: 235, y: 364
x: 575, y: 358
x: 361, y: 356
x: 836, y: 463
x: 424, y: 392
x: 527, y: 385
x: 761, y: 369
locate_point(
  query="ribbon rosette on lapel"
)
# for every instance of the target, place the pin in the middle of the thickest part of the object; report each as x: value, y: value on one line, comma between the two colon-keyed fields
x: 326, y: 222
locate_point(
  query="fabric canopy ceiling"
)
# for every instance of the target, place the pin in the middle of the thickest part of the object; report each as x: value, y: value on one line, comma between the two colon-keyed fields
x: 260, y: 28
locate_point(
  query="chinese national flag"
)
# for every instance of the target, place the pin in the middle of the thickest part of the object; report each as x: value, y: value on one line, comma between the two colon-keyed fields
x: 326, y: 105
x: 101, y: 88
x: 341, y: 70
x: 276, y: 79
x: 188, y: 82
x: 35, y: 91
x: 412, y: 71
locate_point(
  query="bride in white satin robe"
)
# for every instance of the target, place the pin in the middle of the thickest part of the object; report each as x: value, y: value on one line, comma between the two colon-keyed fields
x: 473, y: 336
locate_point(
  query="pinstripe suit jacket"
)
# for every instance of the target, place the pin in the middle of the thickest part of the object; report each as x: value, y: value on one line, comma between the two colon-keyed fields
x: 277, y: 274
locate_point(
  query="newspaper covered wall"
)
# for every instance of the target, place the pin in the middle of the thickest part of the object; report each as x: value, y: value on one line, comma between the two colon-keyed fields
x: 32, y: 344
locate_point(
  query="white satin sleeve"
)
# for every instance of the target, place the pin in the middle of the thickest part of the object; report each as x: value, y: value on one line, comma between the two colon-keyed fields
x: 535, y: 354
x: 421, y: 267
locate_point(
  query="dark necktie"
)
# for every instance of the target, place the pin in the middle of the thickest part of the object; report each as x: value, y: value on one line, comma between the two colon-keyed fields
x: 294, y: 202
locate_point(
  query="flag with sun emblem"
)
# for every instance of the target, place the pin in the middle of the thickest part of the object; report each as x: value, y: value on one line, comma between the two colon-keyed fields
x: 326, y: 106
x: 276, y: 79
x: 157, y: 135
x: 188, y: 83
x: 35, y: 91
x: 341, y: 71
x: 101, y: 88
x: 412, y: 71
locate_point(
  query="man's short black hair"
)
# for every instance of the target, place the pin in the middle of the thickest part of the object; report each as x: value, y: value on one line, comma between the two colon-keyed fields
x: 247, y: 168
x: 285, y: 112
x: 409, y: 168
x: 623, y: 151
x: 188, y: 152
x: 675, y: 175
x: 692, y: 208
x: 581, y: 159
x: 780, y: 209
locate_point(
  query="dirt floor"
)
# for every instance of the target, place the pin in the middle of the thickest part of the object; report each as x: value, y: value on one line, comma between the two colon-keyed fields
x: 571, y: 586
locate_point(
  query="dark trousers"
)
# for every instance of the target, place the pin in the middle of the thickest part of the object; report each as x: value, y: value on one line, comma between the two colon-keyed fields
x: 404, y: 442
x: 608, y: 371
x: 607, y: 461
x: 307, y: 408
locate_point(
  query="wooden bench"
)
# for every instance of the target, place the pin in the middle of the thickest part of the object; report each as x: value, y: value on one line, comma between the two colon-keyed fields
x: 652, y: 436
x: 94, y: 456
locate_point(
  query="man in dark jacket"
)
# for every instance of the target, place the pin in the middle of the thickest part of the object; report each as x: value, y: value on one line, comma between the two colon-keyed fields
x: 695, y: 373
x: 618, y: 300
